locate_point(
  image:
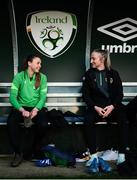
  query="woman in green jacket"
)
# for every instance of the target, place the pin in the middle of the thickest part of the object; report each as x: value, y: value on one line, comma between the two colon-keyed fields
x: 28, y: 97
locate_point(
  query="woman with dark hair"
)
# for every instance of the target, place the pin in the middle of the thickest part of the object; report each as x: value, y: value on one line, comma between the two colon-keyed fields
x: 28, y: 97
x: 103, y: 93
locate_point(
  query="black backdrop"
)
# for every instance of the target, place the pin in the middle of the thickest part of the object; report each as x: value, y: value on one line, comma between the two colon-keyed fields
x: 70, y: 66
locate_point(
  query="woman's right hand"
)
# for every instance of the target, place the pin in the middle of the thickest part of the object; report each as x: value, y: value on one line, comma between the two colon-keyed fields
x: 99, y: 110
x: 24, y: 112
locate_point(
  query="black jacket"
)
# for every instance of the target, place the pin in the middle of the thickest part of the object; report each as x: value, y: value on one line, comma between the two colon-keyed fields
x: 92, y: 94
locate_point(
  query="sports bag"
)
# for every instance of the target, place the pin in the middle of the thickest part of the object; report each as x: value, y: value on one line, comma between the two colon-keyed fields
x: 59, y: 158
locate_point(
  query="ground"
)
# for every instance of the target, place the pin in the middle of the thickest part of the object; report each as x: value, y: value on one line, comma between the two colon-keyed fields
x: 28, y: 170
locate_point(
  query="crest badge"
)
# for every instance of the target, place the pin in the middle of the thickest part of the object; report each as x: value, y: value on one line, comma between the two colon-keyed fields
x: 51, y: 32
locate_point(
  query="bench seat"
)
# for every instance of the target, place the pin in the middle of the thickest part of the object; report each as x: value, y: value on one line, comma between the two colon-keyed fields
x: 70, y: 120
x: 64, y: 97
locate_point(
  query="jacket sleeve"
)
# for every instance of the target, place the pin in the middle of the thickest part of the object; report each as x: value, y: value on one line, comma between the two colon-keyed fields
x: 86, y: 91
x: 14, y: 92
x: 117, y: 89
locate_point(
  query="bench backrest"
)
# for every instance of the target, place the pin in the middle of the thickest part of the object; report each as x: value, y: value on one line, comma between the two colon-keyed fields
x: 63, y: 96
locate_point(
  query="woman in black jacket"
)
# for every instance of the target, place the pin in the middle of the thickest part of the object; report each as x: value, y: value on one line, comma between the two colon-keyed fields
x: 103, y: 92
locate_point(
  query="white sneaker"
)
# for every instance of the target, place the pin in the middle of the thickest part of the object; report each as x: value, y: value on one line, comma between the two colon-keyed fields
x: 84, y: 157
x: 121, y: 158
x: 52, y: 145
x: 109, y: 155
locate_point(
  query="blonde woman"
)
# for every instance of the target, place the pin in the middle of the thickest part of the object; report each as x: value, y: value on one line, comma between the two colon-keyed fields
x: 102, y: 91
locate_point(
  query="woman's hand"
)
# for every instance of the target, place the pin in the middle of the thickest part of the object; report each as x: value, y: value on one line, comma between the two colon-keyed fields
x: 108, y: 110
x: 99, y: 110
x: 24, y: 112
x: 33, y: 113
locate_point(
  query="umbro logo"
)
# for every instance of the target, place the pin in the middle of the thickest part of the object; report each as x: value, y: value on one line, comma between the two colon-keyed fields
x: 124, y: 29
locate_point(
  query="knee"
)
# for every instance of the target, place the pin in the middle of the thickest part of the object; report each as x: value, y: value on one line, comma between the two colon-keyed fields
x: 42, y: 124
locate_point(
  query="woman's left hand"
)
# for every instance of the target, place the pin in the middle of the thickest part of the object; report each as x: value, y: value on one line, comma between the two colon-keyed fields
x: 33, y: 113
x: 108, y: 110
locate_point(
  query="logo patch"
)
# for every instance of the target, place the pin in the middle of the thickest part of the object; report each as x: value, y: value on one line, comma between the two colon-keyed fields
x: 124, y: 29
x: 51, y: 32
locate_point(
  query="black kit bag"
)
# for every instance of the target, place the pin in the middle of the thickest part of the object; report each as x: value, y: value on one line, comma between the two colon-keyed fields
x: 56, y: 118
x: 129, y: 166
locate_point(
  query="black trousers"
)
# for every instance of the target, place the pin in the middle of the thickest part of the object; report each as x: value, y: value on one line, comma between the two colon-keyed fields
x: 32, y: 136
x: 118, y: 115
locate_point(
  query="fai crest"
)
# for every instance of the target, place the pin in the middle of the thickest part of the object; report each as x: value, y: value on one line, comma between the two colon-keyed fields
x: 51, y: 32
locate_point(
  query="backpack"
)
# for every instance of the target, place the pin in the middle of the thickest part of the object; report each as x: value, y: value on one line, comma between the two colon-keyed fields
x: 58, y: 157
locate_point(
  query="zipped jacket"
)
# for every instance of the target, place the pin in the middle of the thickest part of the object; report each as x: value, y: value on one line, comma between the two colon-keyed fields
x: 93, y: 96
x: 24, y: 93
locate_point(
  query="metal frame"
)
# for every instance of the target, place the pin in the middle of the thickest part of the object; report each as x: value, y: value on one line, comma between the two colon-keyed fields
x: 14, y: 36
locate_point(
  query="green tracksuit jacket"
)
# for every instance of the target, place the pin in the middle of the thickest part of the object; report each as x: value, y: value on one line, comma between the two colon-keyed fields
x: 24, y: 93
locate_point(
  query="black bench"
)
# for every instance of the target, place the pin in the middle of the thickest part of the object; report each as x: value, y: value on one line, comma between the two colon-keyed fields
x: 64, y: 97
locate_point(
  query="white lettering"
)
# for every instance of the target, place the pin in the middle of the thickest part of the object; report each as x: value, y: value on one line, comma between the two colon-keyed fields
x: 124, y: 48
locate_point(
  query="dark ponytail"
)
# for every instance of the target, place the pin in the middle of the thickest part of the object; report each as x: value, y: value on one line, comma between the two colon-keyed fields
x: 37, y: 83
